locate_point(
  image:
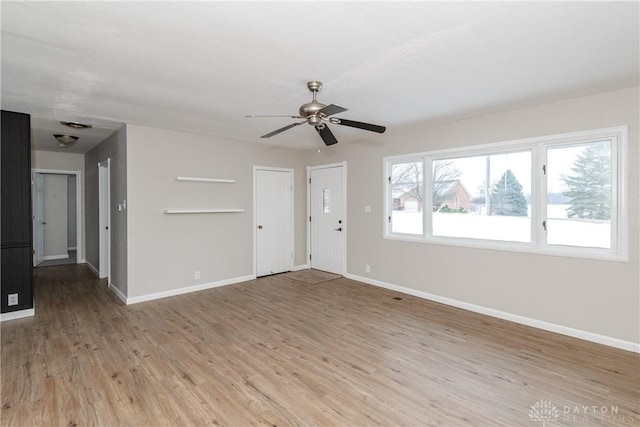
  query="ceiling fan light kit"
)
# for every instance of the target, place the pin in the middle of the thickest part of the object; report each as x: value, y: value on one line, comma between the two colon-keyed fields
x: 318, y: 115
x: 65, y: 140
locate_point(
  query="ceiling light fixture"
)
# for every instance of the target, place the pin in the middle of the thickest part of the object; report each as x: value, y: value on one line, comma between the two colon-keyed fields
x: 65, y: 140
x: 76, y: 125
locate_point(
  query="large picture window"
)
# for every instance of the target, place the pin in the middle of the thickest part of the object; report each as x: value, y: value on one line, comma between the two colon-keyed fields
x: 562, y: 195
x: 483, y: 197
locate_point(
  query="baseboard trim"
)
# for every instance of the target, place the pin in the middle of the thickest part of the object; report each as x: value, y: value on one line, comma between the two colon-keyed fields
x: 52, y: 257
x: 118, y: 293
x: 95, y: 270
x: 300, y: 267
x: 540, y: 324
x: 72, y: 248
x: 189, y: 289
x: 20, y: 314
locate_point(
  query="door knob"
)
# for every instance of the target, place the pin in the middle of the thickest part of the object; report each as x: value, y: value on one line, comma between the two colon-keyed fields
x: 338, y: 229
x: 259, y: 227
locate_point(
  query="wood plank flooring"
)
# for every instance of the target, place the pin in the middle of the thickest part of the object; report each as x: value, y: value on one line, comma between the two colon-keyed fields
x: 276, y: 351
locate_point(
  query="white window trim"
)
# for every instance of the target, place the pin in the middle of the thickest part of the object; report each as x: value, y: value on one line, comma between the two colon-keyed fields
x: 538, y: 147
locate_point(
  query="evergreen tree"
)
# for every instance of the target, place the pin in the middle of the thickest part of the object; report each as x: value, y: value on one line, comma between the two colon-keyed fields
x: 507, y: 197
x: 590, y: 183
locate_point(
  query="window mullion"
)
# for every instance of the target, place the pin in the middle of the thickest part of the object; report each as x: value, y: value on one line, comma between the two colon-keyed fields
x: 539, y: 196
x: 427, y: 209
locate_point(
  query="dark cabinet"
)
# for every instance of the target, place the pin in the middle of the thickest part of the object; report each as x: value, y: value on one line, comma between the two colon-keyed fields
x: 16, y: 232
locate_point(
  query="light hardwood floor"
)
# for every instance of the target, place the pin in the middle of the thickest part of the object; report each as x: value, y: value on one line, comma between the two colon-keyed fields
x: 275, y: 351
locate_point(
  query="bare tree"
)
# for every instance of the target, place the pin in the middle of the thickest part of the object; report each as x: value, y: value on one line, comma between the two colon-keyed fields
x: 407, y: 178
x: 445, y: 175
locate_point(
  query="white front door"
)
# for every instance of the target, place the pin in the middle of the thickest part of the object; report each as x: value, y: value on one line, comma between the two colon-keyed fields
x: 274, y: 221
x: 104, y: 217
x: 327, y: 219
x: 38, y: 218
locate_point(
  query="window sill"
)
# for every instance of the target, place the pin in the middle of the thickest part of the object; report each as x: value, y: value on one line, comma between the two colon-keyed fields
x: 560, y: 251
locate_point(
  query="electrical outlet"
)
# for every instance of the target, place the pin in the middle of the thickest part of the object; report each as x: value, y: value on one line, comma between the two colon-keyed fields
x: 196, y: 275
x: 13, y: 299
x: 367, y: 268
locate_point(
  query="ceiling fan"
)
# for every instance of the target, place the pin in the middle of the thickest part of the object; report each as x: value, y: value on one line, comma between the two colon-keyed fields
x: 318, y: 115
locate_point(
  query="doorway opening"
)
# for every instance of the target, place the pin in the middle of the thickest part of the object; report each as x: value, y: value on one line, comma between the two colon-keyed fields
x: 57, y: 217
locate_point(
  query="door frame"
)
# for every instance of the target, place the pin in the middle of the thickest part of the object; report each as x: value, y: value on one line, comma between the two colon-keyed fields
x: 345, y: 223
x: 255, y: 213
x: 79, y: 217
x: 102, y: 187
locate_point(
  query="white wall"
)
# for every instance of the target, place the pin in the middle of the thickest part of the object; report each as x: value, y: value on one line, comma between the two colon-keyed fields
x: 114, y: 148
x: 65, y: 162
x: 594, y: 296
x: 165, y: 250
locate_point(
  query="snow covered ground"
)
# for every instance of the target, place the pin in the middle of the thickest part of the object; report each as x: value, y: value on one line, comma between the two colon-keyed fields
x: 560, y: 229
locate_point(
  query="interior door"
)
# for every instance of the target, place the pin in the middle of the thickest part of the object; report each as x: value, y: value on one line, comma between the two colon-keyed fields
x: 327, y: 219
x: 104, y: 218
x: 38, y: 218
x: 274, y: 221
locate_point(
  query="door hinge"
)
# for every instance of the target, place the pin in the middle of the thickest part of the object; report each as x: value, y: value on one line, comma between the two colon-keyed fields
x: 389, y: 180
x: 389, y: 219
x: 544, y: 225
x: 309, y: 219
x: 309, y: 257
x: 544, y: 169
x: 309, y: 180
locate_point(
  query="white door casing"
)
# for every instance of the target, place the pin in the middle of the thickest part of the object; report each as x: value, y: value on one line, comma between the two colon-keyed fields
x: 38, y: 217
x: 104, y: 218
x: 79, y: 208
x: 327, y: 223
x: 273, y: 220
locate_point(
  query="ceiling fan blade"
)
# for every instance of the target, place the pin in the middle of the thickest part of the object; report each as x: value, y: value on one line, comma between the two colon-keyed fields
x: 326, y: 135
x: 360, y: 125
x: 291, y: 117
x: 277, y: 131
x: 332, y: 109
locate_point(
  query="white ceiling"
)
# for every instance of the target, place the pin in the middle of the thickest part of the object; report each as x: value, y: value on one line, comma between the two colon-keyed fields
x: 203, y: 66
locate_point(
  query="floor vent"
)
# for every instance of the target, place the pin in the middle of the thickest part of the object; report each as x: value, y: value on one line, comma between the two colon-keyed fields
x: 397, y: 298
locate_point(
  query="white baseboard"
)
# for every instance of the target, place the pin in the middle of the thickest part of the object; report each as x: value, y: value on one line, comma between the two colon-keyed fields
x: 81, y: 261
x: 300, y: 267
x: 95, y: 270
x: 540, y: 324
x: 17, y: 314
x: 188, y: 289
x: 72, y: 248
x: 50, y: 257
x: 118, y: 293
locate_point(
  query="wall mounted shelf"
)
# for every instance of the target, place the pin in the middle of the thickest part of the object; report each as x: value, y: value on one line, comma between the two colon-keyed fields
x: 198, y: 179
x: 201, y: 211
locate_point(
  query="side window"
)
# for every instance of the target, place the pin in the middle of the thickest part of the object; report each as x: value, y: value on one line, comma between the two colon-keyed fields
x: 406, y: 191
x: 580, y: 200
